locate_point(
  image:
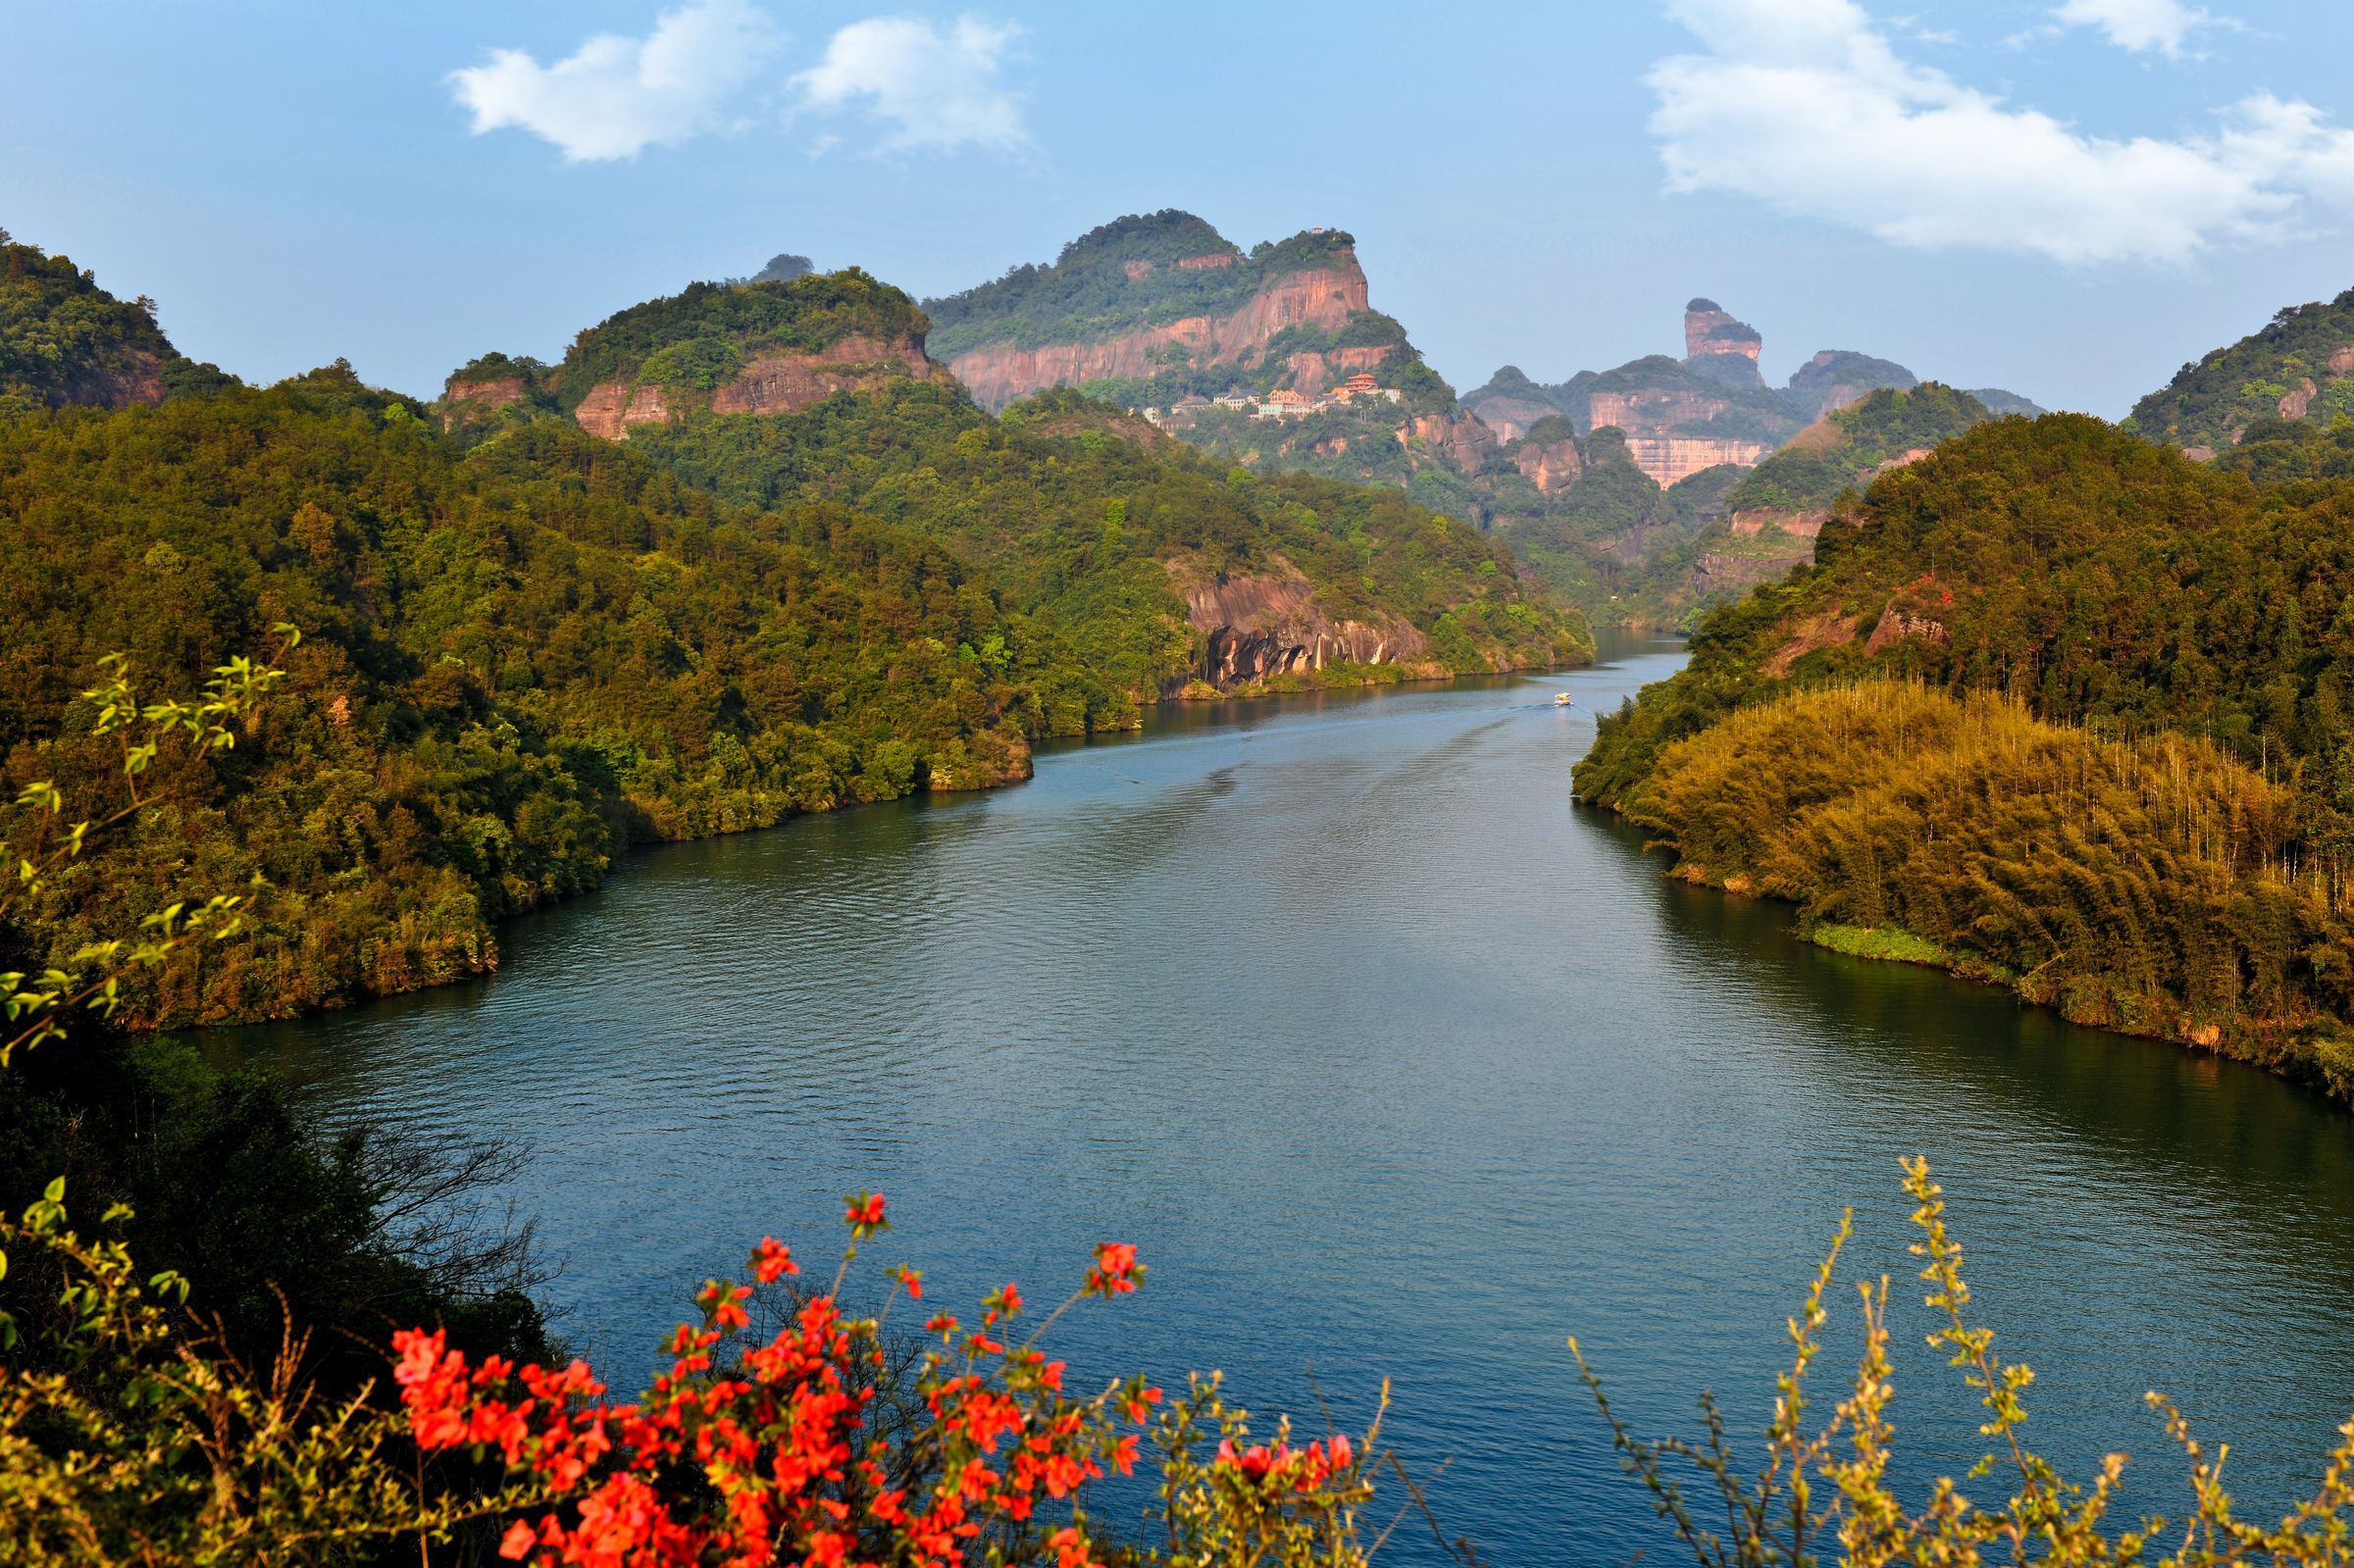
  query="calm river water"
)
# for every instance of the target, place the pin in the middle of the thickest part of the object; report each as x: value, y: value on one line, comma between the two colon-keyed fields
x: 1393, y: 1062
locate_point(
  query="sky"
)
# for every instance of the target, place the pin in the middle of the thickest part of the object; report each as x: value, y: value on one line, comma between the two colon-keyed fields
x: 2069, y: 198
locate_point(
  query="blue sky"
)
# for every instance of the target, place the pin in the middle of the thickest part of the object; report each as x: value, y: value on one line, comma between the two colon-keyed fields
x: 2066, y: 197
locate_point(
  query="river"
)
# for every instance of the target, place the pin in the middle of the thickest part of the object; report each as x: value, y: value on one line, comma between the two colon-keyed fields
x: 1393, y: 1061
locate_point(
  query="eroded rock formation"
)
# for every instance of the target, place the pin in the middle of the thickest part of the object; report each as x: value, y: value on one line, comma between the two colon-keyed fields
x: 1709, y: 330
x: 1257, y: 626
x: 463, y: 401
x: 1672, y: 459
x: 1551, y: 466
x: 773, y: 383
x: 1323, y: 297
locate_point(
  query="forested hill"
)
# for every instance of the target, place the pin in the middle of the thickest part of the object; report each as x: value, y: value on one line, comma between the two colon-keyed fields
x: 1127, y: 544
x: 1849, y: 447
x: 2105, y: 583
x: 1135, y: 272
x: 764, y: 346
x: 2299, y: 367
x: 64, y: 339
x: 514, y: 662
x: 811, y: 579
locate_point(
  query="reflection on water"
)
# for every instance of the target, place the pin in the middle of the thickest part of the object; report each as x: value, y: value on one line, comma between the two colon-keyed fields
x: 1394, y: 1062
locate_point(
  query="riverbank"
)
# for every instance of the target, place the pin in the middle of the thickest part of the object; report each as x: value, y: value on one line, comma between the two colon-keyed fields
x: 2154, y: 887
x: 1352, y: 967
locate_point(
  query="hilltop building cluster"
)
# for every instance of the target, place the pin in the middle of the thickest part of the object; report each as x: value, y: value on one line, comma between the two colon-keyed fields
x: 1363, y: 386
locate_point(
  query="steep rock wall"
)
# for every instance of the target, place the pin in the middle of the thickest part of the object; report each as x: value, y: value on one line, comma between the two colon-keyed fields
x: 1323, y: 297
x: 1799, y: 524
x: 1459, y: 436
x: 1256, y: 626
x: 1652, y: 413
x: 1551, y: 466
x: 1510, y: 416
x: 1671, y: 459
x: 773, y: 383
x: 462, y: 401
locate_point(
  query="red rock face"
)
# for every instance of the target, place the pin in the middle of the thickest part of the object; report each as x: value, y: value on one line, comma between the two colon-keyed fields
x: 1652, y: 413
x: 1671, y: 459
x: 1260, y: 626
x: 463, y: 401
x: 787, y: 384
x: 1551, y: 466
x: 1325, y: 297
x: 611, y: 408
x: 1711, y: 330
x: 1801, y: 524
x: 1317, y: 372
x: 1462, y: 438
x: 774, y: 384
x: 2299, y: 400
x: 1718, y: 571
x: 1896, y: 626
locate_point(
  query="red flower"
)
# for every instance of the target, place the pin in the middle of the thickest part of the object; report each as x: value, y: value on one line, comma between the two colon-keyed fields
x: 772, y: 1260
x: 517, y: 1543
x: 1116, y: 1271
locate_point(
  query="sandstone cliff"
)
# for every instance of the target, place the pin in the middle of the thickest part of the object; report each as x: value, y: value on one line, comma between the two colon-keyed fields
x: 1710, y: 331
x: 1672, y: 459
x: 1323, y: 297
x: 1552, y: 466
x: 770, y: 383
x: 1253, y: 627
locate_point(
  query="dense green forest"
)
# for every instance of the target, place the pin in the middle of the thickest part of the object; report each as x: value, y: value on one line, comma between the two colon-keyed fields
x: 516, y: 660
x: 526, y: 647
x: 2105, y: 583
x: 698, y: 338
x: 2300, y: 365
x: 1079, y: 513
x: 64, y: 339
x: 1089, y: 291
x: 1846, y: 448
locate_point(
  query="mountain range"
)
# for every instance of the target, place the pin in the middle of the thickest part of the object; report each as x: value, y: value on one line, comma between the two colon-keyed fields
x: 1274, y: 359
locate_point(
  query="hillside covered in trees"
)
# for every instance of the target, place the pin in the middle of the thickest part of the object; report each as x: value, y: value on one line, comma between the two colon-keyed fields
x: 64, y: 339
x: 1850, y: 446
x: 1138, y: 271
x: 2299, y: 366
x: 525, y: 646
x: 2109, y: 586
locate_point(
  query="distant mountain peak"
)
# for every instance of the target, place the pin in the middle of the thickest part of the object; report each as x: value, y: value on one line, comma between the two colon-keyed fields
x: 1710, y: 331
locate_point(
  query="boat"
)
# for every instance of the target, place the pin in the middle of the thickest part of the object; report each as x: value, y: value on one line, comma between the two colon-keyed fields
x: 1560, y: 699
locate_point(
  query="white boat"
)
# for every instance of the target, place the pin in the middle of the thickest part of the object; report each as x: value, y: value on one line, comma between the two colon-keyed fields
x: 1560, y: 699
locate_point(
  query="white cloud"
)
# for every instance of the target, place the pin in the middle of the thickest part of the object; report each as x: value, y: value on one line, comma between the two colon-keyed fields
x: 2165, y: 25
x: 936, y: 89
x: 1805, y: 105
x: 617, y: 96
